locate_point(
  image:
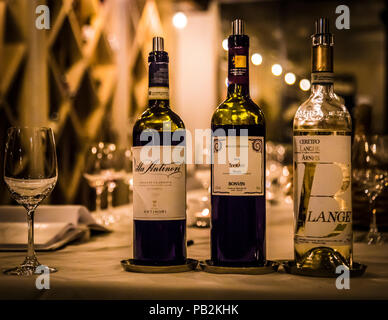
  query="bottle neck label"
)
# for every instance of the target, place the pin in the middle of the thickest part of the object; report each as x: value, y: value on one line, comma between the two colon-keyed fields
x: 322, y: 78
x: 158, y: 93
x: 158, y: 81
x: 238, y: 71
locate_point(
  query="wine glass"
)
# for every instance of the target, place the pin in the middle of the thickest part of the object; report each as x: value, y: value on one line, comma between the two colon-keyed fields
x: 111, y: 174
x: 370, y: 162
x: 278, y: 178
x: 114, y: 163
x: 104, y: 167
x: 95, y: 178
x: 30, y: 173
x: 201, y: 206
x: 126, y: 167
x: 117, y: 167
x: 202, y: 174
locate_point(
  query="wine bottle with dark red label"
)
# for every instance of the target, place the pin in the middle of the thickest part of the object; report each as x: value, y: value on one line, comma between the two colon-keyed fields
x: 159, y: 173
x: 238, y: 166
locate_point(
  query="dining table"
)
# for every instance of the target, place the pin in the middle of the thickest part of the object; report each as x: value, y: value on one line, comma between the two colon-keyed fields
x: 91, y: 269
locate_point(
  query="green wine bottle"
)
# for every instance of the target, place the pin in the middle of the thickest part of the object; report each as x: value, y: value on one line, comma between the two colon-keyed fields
x: 159, y: 183
x: 238, y: 184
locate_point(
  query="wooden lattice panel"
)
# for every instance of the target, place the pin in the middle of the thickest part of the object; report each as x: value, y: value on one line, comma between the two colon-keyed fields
x: 80, y: 73
x: 12, y: 70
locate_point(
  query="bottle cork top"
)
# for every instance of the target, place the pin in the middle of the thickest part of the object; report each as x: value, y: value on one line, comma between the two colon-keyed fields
x: 157, y: 44
x: 238, y: 27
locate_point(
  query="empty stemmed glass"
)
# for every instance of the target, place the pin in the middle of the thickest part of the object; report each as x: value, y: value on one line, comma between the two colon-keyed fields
x: 112, y: 173
x: 95, y: 178
x: 30, y: 173
x: 105, y: 166
x: 118, y: 163
x: 201, y: 205
x: 125, y: 165
x: 370, y: 171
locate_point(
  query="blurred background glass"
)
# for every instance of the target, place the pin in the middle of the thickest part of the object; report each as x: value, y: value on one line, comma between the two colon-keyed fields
x: 370, y: 177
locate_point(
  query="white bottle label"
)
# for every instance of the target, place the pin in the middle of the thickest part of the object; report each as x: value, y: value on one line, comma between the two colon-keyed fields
x: 159, y: 183
x: 323, y: 189
x: 238, y: 166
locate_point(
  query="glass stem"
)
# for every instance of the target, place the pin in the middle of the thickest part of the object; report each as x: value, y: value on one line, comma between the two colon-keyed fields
x: 111, y: 188
x: 30, y: 219
x: 110, y: 199
x: 98, y: 199
x: 373, y: 223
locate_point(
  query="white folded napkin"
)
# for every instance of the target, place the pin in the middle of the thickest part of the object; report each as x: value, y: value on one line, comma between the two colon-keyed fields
x: 54, y: 226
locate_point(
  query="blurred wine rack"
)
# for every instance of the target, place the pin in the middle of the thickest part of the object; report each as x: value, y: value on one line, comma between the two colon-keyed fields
x: 70, y: 77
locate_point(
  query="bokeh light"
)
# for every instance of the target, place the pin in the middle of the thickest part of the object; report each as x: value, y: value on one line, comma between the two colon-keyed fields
x: 304, y: 84
x: 290, y: 78
x: 179, y: 20
x: 277, y: 69
x: 256, y: 59
x: 225, y: 44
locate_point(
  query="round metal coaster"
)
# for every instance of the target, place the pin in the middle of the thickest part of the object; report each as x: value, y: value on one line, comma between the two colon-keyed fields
x: 130, y: 266
x: 269, y: 267
x: 290, y: 267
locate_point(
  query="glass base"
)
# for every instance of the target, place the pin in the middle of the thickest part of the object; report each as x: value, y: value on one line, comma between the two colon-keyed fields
x: 105, y: 218
x: 28, y: 268
x: 373, y: 238
x: 322, y: 262
x: 357, y: 270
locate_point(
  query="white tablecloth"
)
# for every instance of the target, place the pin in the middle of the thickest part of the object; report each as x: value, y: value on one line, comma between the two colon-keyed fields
x: 92, y: 270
